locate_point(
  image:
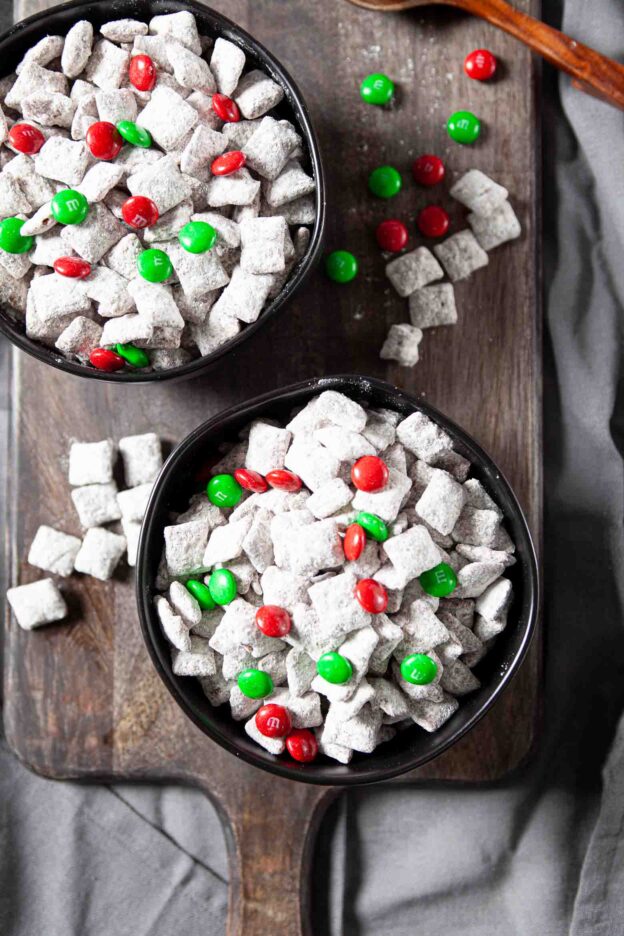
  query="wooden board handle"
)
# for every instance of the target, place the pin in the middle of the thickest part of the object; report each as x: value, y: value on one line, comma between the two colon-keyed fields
x: 270, y: 836
x: 593, y: 72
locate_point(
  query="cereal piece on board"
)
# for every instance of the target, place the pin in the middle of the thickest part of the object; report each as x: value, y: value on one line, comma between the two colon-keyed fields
x: 162, y: 182
x: 62, y: 160
x: 181, y: 26
x: 478, y: 192
x: 244, y: 297
x: 96, y: 504
x: 270, y: 146
x: 99, y: 180
x: 292, y: 183
x: 43, y: 52
x: 91, y: 462
x: 123, y: 30
x: 142, y: 458
x: 263, y: 245
x: 476, y: 527
x: 12, y: 198
x: 387, y: 502
x: 175, y: 628
x: 189, y: 70
x: 433, y: 306
x: 458, y: 679
x: 185, y: 604
x: 49, y: 109
x: 401, y: 345
x: 424, y: 438
x: 314, y: 464
x: 96, y: 235
x: 108, y: 65
x: 132, y: 531
x: 37, y: 603
x: 495, y: 601
x: 77, y: 48
x: 267, y: 447
x: 113, y: 106
x: 497, y: 228
x: 431, y: 715
x: 331, y: 497
x: 185, y: 544
x: 237, y: 188
x: 133, y: 502
x: 108, y: 289
x: 411, y: 553
x: 80, y: 338
x: 442, y: 502
x: 32, y: 78
x: 168, y: 117
x: 461, y: 255
x: 256, y: 94
x: 122, y: 257
x: 227, y: 63
x: 412, y: 271
x: 198, y: 661
x: 100, y: 553
x: 203, y: 147
x: 53, y: 551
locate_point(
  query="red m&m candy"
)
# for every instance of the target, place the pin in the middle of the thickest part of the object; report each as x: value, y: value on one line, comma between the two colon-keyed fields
x: 302, y: 745
x: 354, y: 542
x: 284, y: 480
x: 139, y: 212
x: 251, y: 480
x: 229, y: 162
x: 480, y: 65
x: 104, y: 140
x: 273, y: 621
x: 369, y: 473
x: 372, y: 596
x: 391, y: 235
x: 433, y: 221
x: 273, y: 721
x: 74, y: 267
x: 142, y: 72
x: 225, y: 108
x: 106, y: 360
x: 25, y: 138
x: 428, y: 169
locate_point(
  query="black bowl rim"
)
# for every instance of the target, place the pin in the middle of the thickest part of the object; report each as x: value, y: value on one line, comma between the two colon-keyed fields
x: 315, y: 773
x: 296, y: 100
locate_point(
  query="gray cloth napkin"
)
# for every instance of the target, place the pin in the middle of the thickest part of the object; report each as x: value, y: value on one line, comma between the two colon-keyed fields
x: 540, y: 854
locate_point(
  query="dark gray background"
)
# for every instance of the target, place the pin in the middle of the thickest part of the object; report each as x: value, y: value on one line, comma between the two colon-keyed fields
x: 540, y: 854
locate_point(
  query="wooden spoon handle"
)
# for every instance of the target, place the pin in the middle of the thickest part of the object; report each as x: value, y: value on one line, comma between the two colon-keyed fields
x: 593, y: 72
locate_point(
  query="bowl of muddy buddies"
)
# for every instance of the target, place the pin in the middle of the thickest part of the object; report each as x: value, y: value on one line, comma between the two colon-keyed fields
x: 335, y: 582
x: 161, y: 189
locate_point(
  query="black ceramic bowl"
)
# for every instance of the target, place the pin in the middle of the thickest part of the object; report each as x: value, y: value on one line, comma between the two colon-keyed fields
x: 58, y: 20
x: 410, y: 748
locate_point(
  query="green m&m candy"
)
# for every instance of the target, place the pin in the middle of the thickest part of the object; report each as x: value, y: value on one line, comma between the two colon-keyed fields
x: 201, y: 594
x: 373, y: 525
x: 69, y: 207
x: 341, y: 266
x: 377, y: 89
x: 222, y: 586
x: 136, y: 357
x: 11, y: 240
x: 463, y: 127
x: 419, y: 669
x: 255, y: 683
x: 223, y: 490
x: 134, y: 135
x: 335, y: 668
x: 154, y: 265
x: 439, y: 581
x: 385, y: 182
x: 197, y: 236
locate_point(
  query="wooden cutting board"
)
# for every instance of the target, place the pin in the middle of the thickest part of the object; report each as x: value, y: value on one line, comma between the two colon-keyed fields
x: 82, y: 700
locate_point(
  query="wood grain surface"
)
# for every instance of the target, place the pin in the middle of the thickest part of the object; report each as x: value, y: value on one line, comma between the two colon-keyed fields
x: 82, y: 700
